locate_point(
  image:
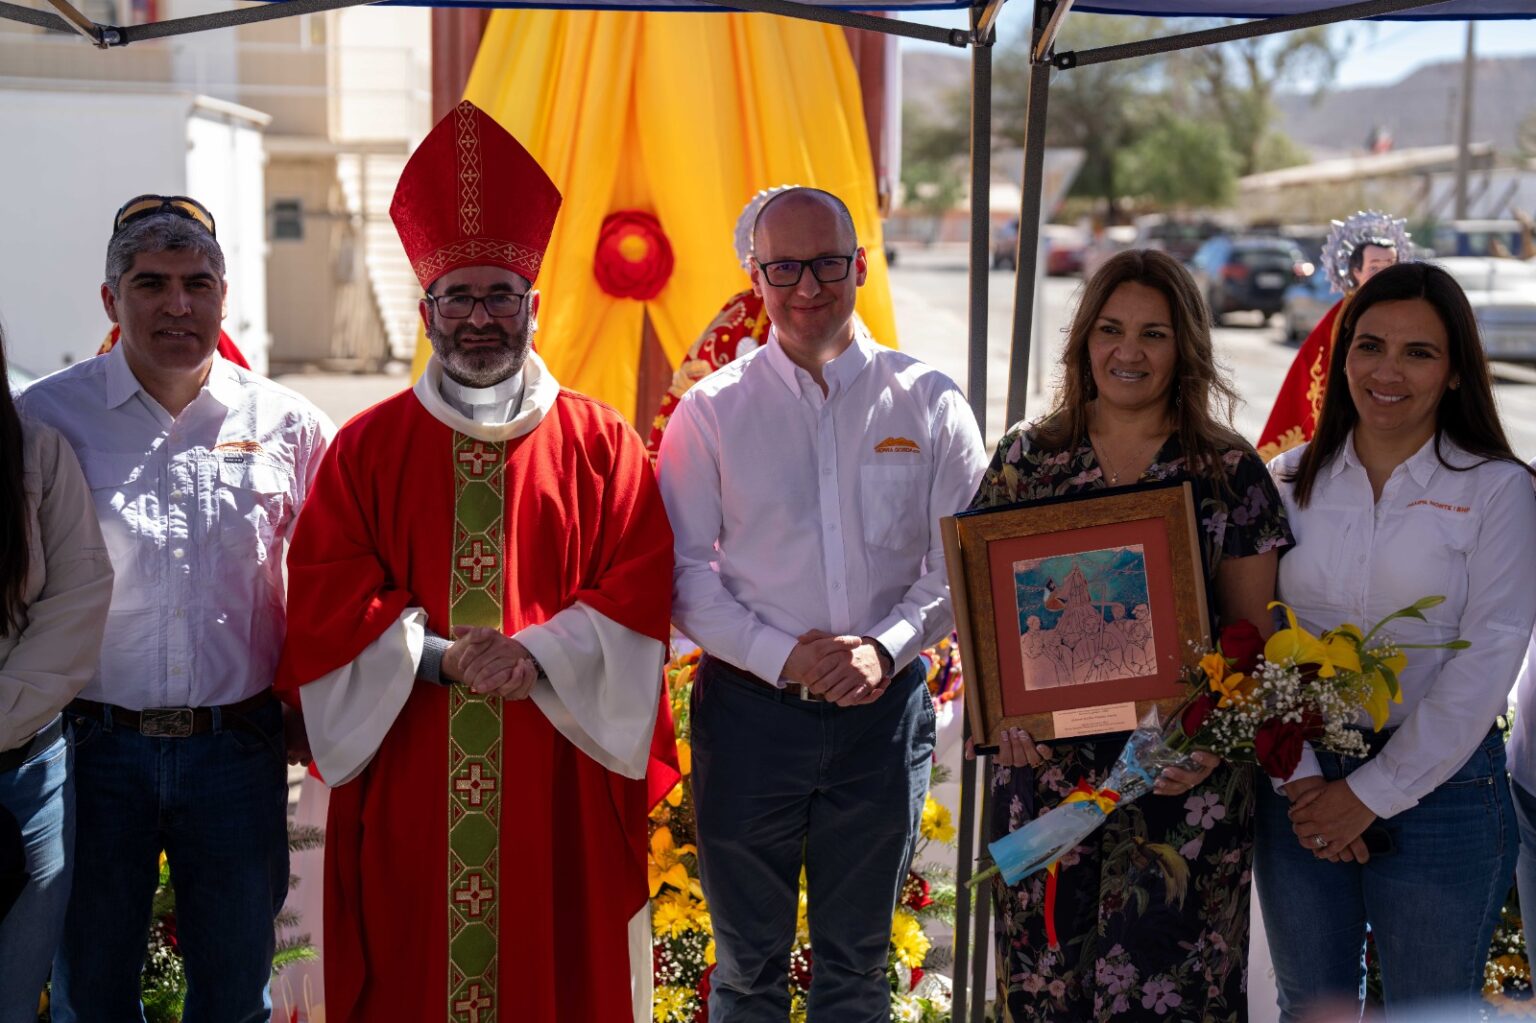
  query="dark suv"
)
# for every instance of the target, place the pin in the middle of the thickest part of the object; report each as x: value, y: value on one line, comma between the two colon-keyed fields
x: 1240, y: 274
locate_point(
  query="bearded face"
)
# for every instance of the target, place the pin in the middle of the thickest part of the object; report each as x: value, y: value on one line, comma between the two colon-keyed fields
x: 480, y: 321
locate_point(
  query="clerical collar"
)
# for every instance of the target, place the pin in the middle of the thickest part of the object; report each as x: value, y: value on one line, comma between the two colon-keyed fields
x: 491, y: 406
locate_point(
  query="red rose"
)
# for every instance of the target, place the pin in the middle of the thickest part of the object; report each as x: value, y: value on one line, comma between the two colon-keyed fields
x: 915, y: 893
x: 633, y: 257
x: 917, y: 975
x: 1277, y: 747
x: 1241, y: 645
x: 702, y: 1015
x: 1195, y: 714
x: 800, y: 967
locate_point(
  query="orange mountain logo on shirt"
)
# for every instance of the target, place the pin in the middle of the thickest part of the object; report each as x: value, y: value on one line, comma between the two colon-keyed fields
x: 898, y: 445
x: 249, y: 447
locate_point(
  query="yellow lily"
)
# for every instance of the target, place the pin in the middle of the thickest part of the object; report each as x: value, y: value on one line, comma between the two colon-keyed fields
x: 1232, y: 689
x: 665, y: 865
x: 1380, y: 697
x: 1215, y: 667
x: 1295, y: 645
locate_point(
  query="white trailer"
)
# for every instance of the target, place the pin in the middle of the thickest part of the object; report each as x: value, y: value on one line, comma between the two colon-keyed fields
x: 74, y: 158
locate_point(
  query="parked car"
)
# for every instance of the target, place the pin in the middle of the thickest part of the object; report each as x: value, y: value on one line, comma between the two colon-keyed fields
x: 1064, y: 250
x: 1305, y: 302
x: 1005, y: 245
x: 1246, y: 273
x: 1503, y: 297
x: 1181, y: 239
x: 1110, y: 242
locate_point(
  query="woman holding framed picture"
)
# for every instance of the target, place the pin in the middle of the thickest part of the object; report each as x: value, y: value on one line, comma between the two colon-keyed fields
x: 1148, y: 918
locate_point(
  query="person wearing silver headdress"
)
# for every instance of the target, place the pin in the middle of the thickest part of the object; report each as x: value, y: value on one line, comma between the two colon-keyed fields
x: 739, y: 327
x: 1356, y: 248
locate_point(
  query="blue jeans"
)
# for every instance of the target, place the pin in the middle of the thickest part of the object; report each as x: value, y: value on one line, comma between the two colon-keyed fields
x: 41, y: 795
x: 1431, y: 904
x: 216, y: 803
x: 1525, y: 867
x: 779, y: 782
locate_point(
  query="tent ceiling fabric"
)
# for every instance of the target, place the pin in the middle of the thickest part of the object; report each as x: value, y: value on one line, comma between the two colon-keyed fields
x: 1460, y: 10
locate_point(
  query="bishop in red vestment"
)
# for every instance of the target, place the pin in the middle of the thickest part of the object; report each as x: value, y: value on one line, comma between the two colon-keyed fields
x: 479, y: 592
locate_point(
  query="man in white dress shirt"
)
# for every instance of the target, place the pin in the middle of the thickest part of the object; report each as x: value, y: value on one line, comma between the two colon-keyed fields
x: 198, y: 469
x: 813, y: 473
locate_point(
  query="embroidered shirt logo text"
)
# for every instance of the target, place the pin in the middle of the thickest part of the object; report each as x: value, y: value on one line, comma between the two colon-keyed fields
x: 898, y: 445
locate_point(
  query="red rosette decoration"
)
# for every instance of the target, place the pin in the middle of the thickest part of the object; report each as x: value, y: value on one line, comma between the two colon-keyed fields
x: 633, y: 257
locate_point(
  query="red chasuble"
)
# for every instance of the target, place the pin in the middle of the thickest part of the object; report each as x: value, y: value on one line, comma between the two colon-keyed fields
x: 1293, y: 419
x: 479, y: 872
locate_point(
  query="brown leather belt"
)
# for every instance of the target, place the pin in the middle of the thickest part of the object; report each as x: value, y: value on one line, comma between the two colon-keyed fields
x: 170, y: 722
x: 789, y: 689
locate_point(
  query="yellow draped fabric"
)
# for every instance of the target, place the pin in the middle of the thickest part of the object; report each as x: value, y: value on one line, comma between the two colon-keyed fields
x: 684, y: 116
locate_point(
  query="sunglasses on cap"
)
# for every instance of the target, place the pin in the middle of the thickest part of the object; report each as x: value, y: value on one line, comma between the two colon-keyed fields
x: 141, y: 206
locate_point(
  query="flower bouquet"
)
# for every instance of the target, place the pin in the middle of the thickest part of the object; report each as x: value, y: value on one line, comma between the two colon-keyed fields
x: 1241, y: 706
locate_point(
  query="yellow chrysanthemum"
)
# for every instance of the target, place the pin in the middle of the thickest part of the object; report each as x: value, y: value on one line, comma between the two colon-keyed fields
x: 936, y: 823
x: 676, y: 913
x: 709, y: 953
x: 665, y: 865
x: 909, y: 945
x: 673, y: 1003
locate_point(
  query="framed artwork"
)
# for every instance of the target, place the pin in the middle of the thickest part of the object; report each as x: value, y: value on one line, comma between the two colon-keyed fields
x: 1077, y: 614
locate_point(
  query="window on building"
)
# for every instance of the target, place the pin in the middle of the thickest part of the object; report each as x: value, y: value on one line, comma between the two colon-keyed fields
x: 288, y: 219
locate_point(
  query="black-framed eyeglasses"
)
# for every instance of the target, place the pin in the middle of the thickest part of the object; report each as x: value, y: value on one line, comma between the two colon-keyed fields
x: 462, y: 307
x: 141, y: 206
x: 786, y: 273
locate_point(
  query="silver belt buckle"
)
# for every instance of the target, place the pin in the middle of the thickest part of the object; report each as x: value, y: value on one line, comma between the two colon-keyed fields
x: 166, y: 723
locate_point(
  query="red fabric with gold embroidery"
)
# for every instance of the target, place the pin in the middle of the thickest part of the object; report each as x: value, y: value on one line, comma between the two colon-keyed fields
x: 584, y: 521
x: 1294, y: 417
x: 471, y: 195
x: 742, y: 318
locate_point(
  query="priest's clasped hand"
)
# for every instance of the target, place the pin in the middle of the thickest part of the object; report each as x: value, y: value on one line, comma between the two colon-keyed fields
x: 846, y: 670
x: 490, y: 663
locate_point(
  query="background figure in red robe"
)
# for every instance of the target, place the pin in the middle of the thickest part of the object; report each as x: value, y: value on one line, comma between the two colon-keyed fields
x: 1354, y: 251
x: 480, y: 592
x: 227, y: 348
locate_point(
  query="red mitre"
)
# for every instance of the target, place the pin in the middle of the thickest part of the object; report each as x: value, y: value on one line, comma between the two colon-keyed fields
x: 471, y: 195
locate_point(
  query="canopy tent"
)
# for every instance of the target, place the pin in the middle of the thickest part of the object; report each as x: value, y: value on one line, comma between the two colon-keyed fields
x: 1263, y: 17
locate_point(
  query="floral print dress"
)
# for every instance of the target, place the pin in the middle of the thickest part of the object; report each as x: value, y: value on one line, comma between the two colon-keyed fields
x: 1152, y: 909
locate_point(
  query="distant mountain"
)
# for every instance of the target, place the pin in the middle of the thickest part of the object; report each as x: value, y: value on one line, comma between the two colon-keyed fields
x: 1418, y: 110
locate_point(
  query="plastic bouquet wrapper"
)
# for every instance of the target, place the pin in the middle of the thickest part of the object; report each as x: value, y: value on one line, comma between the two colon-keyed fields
x: 1249, y: 701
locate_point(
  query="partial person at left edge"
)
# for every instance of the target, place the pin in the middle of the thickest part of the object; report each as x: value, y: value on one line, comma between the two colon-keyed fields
x: 55, y: 584
x: 197, y: 469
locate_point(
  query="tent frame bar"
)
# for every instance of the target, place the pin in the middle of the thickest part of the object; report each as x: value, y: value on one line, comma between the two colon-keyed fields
x: 79, y: 22
x: 853, y: 19
x: 1230, y: 33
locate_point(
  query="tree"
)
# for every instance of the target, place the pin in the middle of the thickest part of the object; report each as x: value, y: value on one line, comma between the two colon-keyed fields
x: 1236, y: 82
x: 1180, y: 162
x: 1099, y: 108
x: 932, y: 160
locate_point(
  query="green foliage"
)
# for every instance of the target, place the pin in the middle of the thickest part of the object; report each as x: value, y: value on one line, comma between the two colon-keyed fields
x: 933, y: 159
x: 1181, y: 162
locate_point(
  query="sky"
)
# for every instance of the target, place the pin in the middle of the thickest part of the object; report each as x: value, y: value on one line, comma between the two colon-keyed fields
x: 1383, y: 51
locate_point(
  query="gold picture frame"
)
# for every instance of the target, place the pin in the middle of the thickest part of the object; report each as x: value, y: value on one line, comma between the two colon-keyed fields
x: 1077, y: 615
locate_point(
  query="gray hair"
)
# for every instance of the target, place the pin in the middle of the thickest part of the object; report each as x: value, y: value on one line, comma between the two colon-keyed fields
x: 839, y: 208
x: 163, y: 232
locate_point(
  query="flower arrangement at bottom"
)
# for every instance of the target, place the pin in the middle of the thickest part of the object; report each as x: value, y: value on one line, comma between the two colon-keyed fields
x: 683, y: 950
x: 1249, y: 701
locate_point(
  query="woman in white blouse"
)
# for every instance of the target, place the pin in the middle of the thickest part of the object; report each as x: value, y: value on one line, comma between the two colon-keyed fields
x: 1409, y: 489
x: 55, y: 585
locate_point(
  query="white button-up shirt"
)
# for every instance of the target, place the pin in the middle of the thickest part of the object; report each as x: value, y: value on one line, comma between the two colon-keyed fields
x: 195, y: 510
x: 1468, y: 536
x: 795, y: 510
